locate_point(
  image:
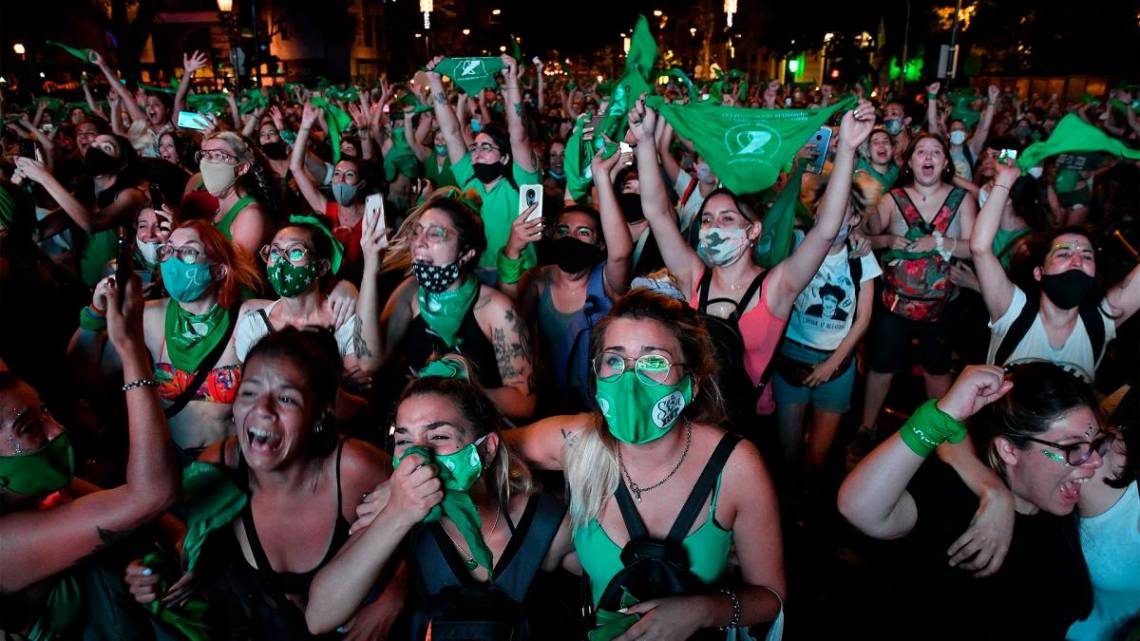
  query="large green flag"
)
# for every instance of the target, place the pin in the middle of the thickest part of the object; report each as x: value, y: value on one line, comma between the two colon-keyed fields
x: 746, y: 148
x: 634, y: 82
x: 779, y: 223
x: 337, y: 120
x: 472, y: 74
x: 577, y: 161
x: 1075, y: 135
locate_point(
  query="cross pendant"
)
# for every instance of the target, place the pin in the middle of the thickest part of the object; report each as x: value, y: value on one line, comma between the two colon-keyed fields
x: 636, y: 491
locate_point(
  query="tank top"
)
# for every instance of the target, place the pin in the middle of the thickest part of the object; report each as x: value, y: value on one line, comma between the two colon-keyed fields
x: 708, y: 549
x: 227, y: 221
x: 420, y: 345
x: 1111, y: 545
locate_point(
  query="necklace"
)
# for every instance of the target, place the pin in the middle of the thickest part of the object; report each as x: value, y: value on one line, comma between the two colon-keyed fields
x: 639, y: 490
x: 469, y: 562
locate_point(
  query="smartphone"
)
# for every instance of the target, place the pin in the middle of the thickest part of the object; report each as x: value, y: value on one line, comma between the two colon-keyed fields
x: 124, y: 263
x: 1007, y: 156
x: 191, y: 120
x: 156, y: 199
x: 624, y: 147
x: 27, y: 149
x: 531, y: 195
x: 821, y: 139
x: 373, y: 207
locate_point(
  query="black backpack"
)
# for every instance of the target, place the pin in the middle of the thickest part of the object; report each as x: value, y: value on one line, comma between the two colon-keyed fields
x: 655, y: 568
x: 458, y: 607
x: 736, y: 387
x: 1090, y: 317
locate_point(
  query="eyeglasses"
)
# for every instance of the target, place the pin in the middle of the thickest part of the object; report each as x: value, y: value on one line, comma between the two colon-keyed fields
x: 482, y: 146
x: 436, y: 234
x: 186, y: 253
x: 652, y: 369
x: 215, y: 155
x: 295, y: 254
x: 1077, y: 453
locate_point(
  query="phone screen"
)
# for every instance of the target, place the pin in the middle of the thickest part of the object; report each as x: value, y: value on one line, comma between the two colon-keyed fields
x: 191, y: 120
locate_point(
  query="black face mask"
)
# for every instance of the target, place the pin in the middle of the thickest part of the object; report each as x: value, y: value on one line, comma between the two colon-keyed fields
x: 1069, y: 288
x: 275, y: 150
x: 631, y: 207
x: 574, y: 256
x: 488, y: 171
x: 100, y: 163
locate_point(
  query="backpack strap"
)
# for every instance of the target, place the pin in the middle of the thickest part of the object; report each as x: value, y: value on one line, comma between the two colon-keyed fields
x: 634, y: 525
x: 1094, y: 327
x: 521, y: 561
x: 703, y: 286
x: 704, y: 486
x: 1017, y: 330
x: 949, y: 210
x: 756, y: 285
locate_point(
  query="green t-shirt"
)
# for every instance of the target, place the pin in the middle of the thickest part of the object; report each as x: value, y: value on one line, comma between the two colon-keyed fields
x: 500, y: 207
x: 440, y: 177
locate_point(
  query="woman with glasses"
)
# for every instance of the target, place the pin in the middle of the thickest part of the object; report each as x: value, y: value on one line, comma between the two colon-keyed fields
x: 189, y: 335
x: 247, y: 198
x: 441, y: 308
x: 654, y: 446
x: 1039, y: 428
x: 300, y: 263
x: 346, y: 208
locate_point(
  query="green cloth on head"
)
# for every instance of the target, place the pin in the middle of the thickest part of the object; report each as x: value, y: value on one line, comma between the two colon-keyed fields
x: 337, y: 246
x: 187, y: 620
x: 444, y: 312
x: 190, y: 338
x: 336, y: 120
x: 499, y: 209
x: 930, y: 427
x: 212, y: 501
x: 746, y: 148
x: 1073, y: 134
x: 82, y: 54
x: 778, y: 228
x: 472, y: 75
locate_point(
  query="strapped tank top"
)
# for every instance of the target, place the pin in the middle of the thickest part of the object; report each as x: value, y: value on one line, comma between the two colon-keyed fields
x: 227, y: 221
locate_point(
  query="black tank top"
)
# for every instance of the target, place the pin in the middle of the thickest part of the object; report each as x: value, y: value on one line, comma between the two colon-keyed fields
x: 421, y: 345
x: 263, y: 589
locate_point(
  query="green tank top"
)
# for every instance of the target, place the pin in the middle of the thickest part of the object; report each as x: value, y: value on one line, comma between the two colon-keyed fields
x: 227, y: 221
x: 93, y: 258
x: 1003, y: 244
x: 708, y: 550
x: 440, y: 177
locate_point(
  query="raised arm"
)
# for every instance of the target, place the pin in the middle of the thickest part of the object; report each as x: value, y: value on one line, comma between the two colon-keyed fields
x: 190, y: 64
x: 120, y: 211
x: 305, y: 183
x: 796, y: 271
x: 615, y: 231
x: 978, y: 141
x: 38, y: 544
x: 411, y: 136
x: 373, y: 242
x: 521, y: 152
x: 448, y: 123
x: 679, y: 257
x: 541, y: 86
x: 932, y: 121
x: 668, y: 162
x: 125, y: 97
x: 997, y: 289
x: 95, y: 110
x: 1124, y: 297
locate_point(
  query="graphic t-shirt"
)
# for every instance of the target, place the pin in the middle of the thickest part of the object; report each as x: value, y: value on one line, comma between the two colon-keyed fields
x: 822, y: 314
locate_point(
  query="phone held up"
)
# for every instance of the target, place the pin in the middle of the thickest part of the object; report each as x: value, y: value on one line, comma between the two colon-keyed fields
x: 821, y: 141
x: 531, y: 195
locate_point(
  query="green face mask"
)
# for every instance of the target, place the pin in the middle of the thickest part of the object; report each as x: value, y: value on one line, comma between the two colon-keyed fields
x: 638, y: 412
x: 441, y: 150
x: 458, y: 471
x: 39, y: 473
x: 288, y: 279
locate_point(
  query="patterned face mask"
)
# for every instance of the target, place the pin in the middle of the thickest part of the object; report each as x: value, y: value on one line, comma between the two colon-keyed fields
x: 435, y: 278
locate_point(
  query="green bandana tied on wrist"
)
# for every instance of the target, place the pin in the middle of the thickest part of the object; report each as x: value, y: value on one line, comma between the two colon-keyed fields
x: 457, y: 473
x: 472, y: 75
x: 190, y: 338
x: 929, y: 427
x: 444, y: 312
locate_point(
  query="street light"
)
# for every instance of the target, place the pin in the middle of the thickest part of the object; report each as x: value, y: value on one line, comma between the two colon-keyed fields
x: 657, y: 13
x: 19, y: 49
x: 466, y: 32
x: 496, y: 12
x: 225, y: 6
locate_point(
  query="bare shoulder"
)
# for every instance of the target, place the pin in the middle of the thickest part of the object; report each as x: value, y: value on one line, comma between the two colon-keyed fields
x: 363, y: 462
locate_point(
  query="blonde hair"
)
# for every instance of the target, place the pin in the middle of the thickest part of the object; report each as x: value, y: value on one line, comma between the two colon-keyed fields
x: 592, y: 472
x: 463, y: 215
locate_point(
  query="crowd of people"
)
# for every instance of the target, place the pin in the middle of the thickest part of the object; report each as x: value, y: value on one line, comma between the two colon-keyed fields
x: 428, y: 359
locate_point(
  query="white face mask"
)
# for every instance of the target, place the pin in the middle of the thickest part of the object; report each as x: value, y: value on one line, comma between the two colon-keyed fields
x: 148, y: 251
x: 217, y: 176
x: 957, y: 137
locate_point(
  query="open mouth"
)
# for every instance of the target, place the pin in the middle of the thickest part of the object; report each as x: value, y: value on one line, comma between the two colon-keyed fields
x: 1071, y: 490
x: 263, y: 441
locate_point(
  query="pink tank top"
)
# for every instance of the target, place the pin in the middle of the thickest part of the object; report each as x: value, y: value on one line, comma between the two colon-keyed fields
x: 761, y: 331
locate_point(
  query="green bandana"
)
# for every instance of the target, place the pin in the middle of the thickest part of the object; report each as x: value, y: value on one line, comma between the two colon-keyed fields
x: 190, y: 338
x: 82, y: 54
x: 887, y: 180
x: 1074, y: 135
x: 158, y: 89
x: 188, y: 619
x: 48, y: 469
x: 912, y: 233
x: 577, y: 161
x: 64, y: 604
x: 458, y: 471
x: 254, y: 100
x: 212, y: 501
x: 929, y: 427
x: 633, y: 83
x: 337, y: 120
x: 444, y: 312
x: 400, y: 158
x: 444, y: 368
x: 207, y: 103
x: 472, y: 74
x: 337, y: 246
x: 778, y: 227
x: 746, y: 148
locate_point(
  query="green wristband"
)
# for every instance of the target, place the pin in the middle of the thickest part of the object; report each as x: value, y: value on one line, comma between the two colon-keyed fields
x: 91, y: 321
x: 929, y: 427
x: 510, y: 269
x: 932, y: 96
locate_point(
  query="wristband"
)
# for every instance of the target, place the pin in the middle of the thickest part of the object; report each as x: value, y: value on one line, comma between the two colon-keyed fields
x: 737, y: 610
x: 97, y: 311
x: 510, y: 269
x: 932, y: 96
x: 91, y: 321
x: 142, y: 382
x: 929, y: 427
x: 287, y: 136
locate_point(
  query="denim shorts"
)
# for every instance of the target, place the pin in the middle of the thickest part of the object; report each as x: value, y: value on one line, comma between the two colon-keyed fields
x: 832, y: 396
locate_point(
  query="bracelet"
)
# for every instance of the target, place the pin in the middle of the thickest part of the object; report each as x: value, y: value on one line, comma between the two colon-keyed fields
x: 95, y: 310
x: 997, y: 185
x: 90, y: 321
x: 737, y: 611
x: 142, y: 382
x: 929, y: 427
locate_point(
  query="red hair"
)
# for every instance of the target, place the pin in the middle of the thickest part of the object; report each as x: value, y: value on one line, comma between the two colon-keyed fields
x: 220, y: 250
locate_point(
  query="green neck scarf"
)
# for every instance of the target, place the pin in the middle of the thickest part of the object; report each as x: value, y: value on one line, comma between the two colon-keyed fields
x: 887, y: 180
x: 190, y: 338
x: 444, y: 312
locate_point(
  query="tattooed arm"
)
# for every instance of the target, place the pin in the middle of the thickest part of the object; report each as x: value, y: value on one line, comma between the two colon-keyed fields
x: 543, y: 444
x: 502, y: 324
x: 448, y: 123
